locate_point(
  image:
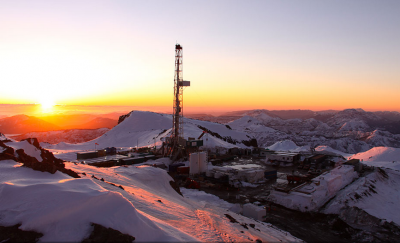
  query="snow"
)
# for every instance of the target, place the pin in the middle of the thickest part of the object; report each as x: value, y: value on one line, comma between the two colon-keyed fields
x: 136, y: 200
x: 205, y: 198
x: 386, y: 157
x: 27, y: 147
x: 329, y: 149
x: 286, y: 145
x: 354, y: 125
x: 250, y: 124
x: 145, y: 185
x: 243, y: 166
x: 142, y: 129
x: 375, y: 194
x: 3, y: 137
x: 62, y: 208
x: 70, y: 136
x: 311, y: 196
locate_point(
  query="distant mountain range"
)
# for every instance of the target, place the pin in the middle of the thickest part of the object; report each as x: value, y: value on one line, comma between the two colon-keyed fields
x: 348, y: 131
x: 23, y: 124
x: 69, y: 136
x: 20, y: 124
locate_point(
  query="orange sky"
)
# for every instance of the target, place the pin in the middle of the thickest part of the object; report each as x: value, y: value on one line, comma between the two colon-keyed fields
x: 262, y: 55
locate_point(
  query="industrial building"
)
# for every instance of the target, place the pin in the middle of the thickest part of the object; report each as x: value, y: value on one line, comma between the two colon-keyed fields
x: 283, y: 156
x: 312, y: 195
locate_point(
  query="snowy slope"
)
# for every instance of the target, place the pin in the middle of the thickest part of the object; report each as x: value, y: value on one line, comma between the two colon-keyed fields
x: 2, y: 137
x: 255, y: 127
x: 380, y: 157
x: 354, y: 125
x: 250, y: 124
x: 331, y: 150
x: 62, y: 208
x: 148, y: 190
x: 28, y: 148
x: 135, y: 200
x: 377, y: 194
x: 349, y: 131
x: 142, y: 128
x: 69, y: 136
x: 285, y: 145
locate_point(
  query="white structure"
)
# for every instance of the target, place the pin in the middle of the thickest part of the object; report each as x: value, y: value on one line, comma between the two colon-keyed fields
x: 281, y: 156
x: 311, y: 196
x: 251, y: 175
x: 255, y: 212
x: 194, y: 163
x: 203, y: 163
x: 198, y: 163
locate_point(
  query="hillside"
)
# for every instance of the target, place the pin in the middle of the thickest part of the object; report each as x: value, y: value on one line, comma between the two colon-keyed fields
x: 83, y: 121
x: 141, y: 128
x: 68, y: 136
x: 385, y: 157
x: 349, y: 131
x: 137, y: 201
x: 22, y: 124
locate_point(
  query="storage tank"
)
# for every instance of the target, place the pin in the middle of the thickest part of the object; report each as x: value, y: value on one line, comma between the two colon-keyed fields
x: 203, y: 162
x: 194, y: 163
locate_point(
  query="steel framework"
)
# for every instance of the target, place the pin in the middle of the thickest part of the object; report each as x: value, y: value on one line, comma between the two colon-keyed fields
x: 177, y: 128
x: 176, y: 143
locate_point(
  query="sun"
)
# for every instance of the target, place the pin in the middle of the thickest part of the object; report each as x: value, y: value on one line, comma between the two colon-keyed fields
x: 47, y: 104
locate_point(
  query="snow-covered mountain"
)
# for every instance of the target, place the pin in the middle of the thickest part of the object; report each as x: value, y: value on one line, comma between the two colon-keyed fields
x: 349, y: 131
x: 52, y: 201
x: 141, y: 128
x: 68, y: 136
x: 372, y: 199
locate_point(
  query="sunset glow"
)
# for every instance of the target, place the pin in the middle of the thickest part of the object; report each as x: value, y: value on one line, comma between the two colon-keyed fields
x: 237, y: 55
x: 47, y: 105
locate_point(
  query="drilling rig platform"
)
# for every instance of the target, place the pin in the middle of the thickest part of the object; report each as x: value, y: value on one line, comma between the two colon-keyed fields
x: 176, y: 144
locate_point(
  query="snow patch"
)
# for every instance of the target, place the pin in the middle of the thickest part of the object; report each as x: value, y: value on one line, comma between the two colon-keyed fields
x: 28, y: 148
x: 286, y: 145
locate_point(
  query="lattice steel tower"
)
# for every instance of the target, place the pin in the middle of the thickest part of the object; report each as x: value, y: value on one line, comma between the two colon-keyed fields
x: 179, y: 84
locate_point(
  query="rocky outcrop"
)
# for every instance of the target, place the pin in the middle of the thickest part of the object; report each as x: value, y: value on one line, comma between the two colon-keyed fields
x: 381, y: 230
x: 14, y: 234
x: 123, y: 117
x: 49, y: 163
x: 104, y: 235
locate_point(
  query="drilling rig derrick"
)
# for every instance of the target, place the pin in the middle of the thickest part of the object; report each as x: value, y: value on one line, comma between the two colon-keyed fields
x: 177, y: 142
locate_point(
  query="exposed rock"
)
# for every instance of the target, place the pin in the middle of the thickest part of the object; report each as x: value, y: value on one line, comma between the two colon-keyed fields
x: 49, y: 163
x: 8, y: 152
x: 10, y: 234
x: 382, y: 231
x: 123, y: 117
x: 175, y: 186
x: 231, y: 219
x: 103, y: 234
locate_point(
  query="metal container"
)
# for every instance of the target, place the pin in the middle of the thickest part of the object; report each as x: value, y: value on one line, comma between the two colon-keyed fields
x: 173, y: 167
x: 86, y: 155
x: 271, y: 174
